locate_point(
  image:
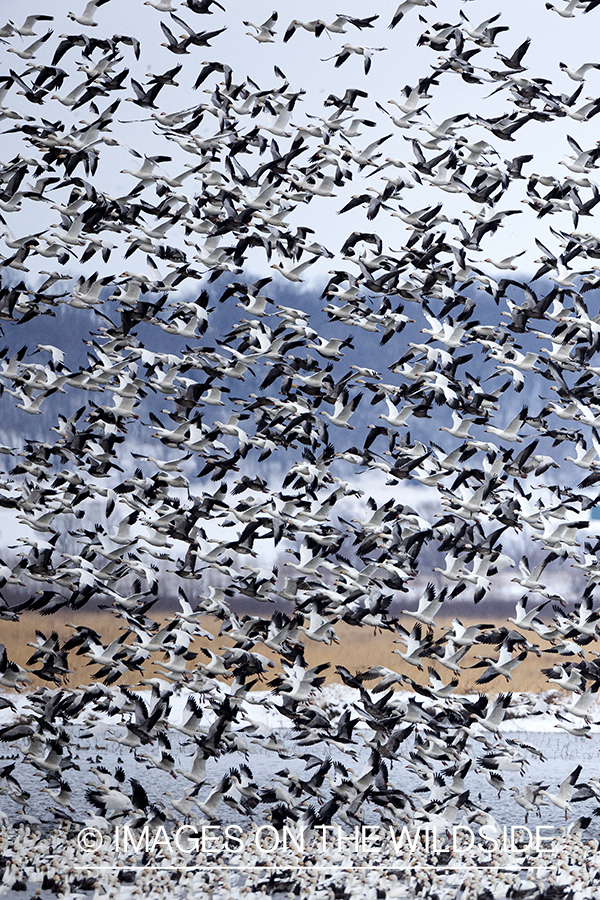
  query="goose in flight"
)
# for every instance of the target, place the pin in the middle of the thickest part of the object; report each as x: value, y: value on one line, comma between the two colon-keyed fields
x: 495, y: 714
x: 348, y: 50
x: 511, y: 431
x: 264, y: 33
x: 503, y: 665
x: 316, y: 27
x: 405, y: 7
x: 579, y: 73
x: 343, y: 409
x: 429, y: 606
x: 562, y: 799
x: 86, y: 18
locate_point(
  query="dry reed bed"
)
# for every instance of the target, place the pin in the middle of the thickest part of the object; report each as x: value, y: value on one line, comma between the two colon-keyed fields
x: 358, y: 649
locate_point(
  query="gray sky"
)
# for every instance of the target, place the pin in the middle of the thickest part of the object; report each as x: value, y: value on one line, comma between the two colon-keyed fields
x: 402, y: 62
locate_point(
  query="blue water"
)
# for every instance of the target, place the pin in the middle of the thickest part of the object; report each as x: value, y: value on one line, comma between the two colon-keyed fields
x: 561, y: 750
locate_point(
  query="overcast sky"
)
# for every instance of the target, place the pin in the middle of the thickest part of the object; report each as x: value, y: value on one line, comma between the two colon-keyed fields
x: 555, y: 39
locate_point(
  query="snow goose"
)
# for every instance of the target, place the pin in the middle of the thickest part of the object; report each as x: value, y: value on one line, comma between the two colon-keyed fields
x: 562, y: 798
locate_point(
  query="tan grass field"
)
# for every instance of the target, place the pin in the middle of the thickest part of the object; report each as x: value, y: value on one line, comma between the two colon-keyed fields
x: 357, y: 650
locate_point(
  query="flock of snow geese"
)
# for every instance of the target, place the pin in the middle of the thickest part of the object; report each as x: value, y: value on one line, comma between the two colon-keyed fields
x: 210, y: 437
